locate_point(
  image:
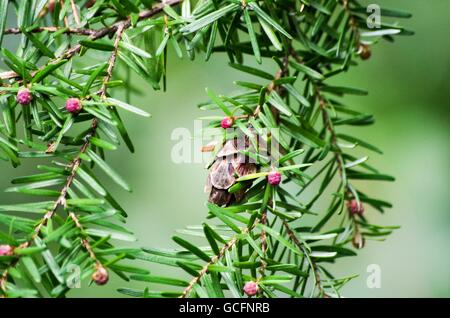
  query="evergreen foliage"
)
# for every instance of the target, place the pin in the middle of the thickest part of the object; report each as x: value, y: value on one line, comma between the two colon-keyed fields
x: 57, y: 108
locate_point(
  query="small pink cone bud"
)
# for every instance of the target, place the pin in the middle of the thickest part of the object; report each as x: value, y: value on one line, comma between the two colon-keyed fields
x: 73, y: 105
x: 250, y: 288
x: 274, y: 178
x: 6, y: 250
x: 101, y: 276
x: 24, y: 96
x: 355, y: 208
x: 227, y: 122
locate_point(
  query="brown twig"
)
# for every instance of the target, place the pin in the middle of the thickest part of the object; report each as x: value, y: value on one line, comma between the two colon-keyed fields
x: 52, y: 29
x: 213, y: 260
x: 84, y: 241
x: 327, y: 122
x: 112, y: 61
x: 263, y: 239
x: 314, y: 267
x: 204, y: 270
x: 329, y: 126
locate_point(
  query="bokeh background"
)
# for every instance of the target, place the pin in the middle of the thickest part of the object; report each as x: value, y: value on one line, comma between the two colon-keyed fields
x: 409, y: 95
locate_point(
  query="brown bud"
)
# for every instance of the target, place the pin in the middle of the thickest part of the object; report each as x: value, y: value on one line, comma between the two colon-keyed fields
x: 101, y: 276
x: 364, y: 51
x: 358, y: 240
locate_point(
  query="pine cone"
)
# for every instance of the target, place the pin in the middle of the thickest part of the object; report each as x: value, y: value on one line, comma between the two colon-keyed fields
x: 229, y: 165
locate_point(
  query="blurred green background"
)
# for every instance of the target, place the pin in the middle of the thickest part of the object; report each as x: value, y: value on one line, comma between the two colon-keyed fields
x: 409, y: 95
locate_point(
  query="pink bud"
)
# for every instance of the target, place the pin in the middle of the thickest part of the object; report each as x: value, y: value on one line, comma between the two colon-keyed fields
x: 6, y: 250
x: 354, y: 207
x: 274, y: 178
x: 227, y: 122
x: 73, y: 105
x: 250, y: 288
x: 100, y: 277
x: 24, y: 96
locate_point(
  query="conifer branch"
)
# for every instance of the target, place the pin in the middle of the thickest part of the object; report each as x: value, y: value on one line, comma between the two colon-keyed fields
x: 85, y: 242
x: 316, y: 272
x: 60, y: 201
x: 98, y: 34
x: 112, y: 60
x: 213, y: 260
x: 75, y: 164
x: 329, y: 126
x: 268, y: 255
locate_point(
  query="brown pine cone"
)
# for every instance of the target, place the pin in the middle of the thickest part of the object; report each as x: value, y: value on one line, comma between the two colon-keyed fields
x: 228, y: 166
